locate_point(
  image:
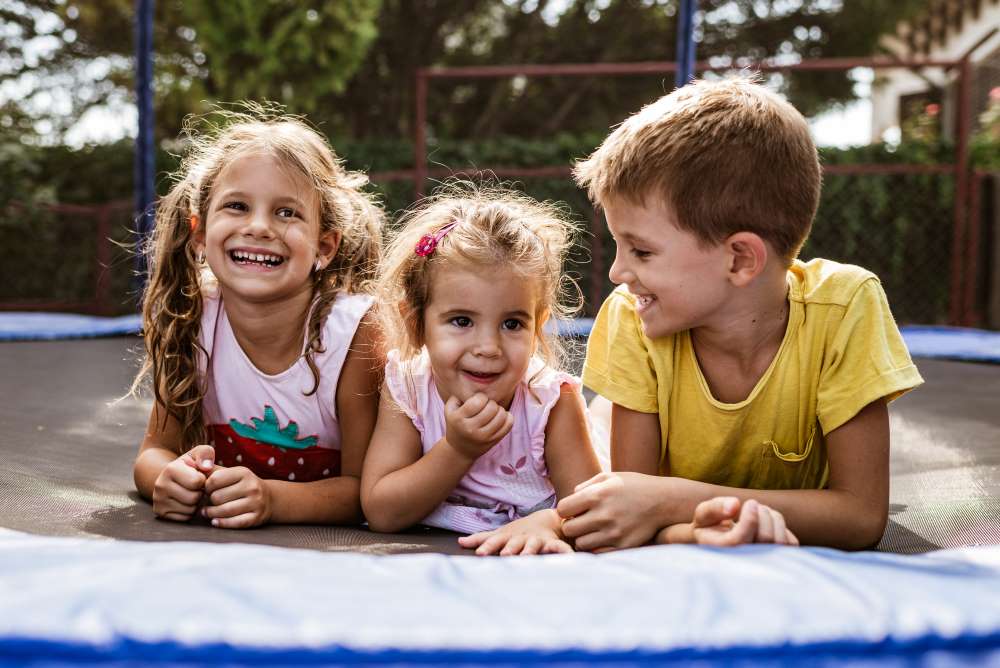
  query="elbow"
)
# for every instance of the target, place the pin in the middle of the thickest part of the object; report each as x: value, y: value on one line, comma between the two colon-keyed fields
x: 868, y: 530
x: 380, y: 515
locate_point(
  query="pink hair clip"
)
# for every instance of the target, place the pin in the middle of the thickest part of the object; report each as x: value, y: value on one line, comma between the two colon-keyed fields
x: 429, y: 242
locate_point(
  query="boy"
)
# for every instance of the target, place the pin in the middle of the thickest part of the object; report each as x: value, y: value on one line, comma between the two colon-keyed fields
x: 730, y: 365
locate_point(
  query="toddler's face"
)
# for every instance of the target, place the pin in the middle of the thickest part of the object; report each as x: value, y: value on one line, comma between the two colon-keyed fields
x: 677, y: 283
x: 261, y: 233
x: 479, y: 329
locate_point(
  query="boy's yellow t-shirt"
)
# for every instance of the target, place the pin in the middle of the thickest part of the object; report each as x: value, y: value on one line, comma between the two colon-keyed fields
x: 841, y: 351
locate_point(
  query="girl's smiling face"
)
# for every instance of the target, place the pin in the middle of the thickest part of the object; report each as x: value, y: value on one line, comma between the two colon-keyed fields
x: 480, y: 330
x: 261, y: 235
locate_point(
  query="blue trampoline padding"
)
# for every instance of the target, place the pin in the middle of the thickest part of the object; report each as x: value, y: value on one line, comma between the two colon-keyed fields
x: 23, y: 326
x: 957, y: 343
x: 79, y: 600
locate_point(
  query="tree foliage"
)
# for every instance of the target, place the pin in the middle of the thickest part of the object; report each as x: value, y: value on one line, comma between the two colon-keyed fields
x: 350, y: 64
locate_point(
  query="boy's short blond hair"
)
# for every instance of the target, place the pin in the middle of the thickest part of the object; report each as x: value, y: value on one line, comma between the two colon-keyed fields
x: 725, y: 156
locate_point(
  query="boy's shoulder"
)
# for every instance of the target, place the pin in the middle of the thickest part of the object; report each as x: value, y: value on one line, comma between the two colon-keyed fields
x: 820, y: 281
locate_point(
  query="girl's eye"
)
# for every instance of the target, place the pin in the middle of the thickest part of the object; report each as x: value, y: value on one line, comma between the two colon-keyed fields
x: 285, y: 212
x: 512, y: 324
x: 461, y: 321
x: 239, y: 206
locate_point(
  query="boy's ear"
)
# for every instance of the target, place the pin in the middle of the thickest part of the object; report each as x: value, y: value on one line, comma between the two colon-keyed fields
x: 329, y: 244
x: 748, y: 255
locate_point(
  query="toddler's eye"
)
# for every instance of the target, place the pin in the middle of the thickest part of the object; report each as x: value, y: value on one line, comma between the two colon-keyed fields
x: 462, y: 321
x: 286, y: 212
x: 236, y: 205
x: 512, y: 324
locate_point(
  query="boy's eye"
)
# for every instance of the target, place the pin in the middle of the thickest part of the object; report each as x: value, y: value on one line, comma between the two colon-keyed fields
x: 512, y: 324
x: 640, y: 253
x: 462, y: 321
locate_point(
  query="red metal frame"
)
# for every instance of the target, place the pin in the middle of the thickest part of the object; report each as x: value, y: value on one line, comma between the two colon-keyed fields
x: 962, y: 279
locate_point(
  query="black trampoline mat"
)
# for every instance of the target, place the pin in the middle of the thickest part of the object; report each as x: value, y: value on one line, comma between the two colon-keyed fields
x: 67, y: 443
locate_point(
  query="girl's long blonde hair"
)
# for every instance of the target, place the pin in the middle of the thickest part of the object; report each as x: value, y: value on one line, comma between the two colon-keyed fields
x: 495, y: 227
x: 172, y: 301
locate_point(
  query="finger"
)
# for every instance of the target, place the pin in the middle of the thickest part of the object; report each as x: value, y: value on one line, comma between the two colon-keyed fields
x: 662, y: 536
x: 452, y: 405
x: 577, y: 503
x: 475, y: 540
x: 229, y: 509
x: 473, y: 405
x: 224, y: 477
x: 175, y: 517
x: 484, y: 417
x: 600, y: 477
x: 513, y: 546
x: 556, y: 546
x: 175, y: 492
x: 186, y: 477
x: 204, y: 456
x: 497, y: 428
x: 745, y: 529
x: 793, y: 540
x: 715, y: 511
x: 765, y: 527
x: 780, y: 530
x: 533, y: 545
x: 244, y: 521
x: 491, y: 545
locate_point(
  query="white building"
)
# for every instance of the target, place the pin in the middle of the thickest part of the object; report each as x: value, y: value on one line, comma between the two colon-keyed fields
x: 945, y: 30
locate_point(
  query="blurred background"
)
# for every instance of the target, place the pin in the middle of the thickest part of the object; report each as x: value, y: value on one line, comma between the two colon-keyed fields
x: 903, y: 97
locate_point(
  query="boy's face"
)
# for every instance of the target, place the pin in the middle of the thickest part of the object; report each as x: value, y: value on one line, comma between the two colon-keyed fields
x: 678, y: 283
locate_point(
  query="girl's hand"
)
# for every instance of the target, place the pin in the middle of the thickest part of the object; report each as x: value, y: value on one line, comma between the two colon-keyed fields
x: 716, y: 523
x: 536, y: 534
x: 177, y: 491
x: 238, y: 499
x: 475, y: 426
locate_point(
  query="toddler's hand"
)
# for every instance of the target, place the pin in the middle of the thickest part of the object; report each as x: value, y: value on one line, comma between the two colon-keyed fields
x: 178, y: 489
x: 237, y: 498
x: 722, y: 521
x: 536, y: 534
x: 475, y: 426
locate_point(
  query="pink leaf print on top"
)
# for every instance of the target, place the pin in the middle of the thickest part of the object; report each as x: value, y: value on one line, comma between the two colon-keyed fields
x: 512, y: 470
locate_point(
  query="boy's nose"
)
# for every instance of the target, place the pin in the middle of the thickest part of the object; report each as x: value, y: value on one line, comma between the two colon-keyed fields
x: 617, y: 273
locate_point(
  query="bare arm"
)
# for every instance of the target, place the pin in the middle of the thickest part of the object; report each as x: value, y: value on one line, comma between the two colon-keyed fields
x: 400, y: 485
x: 337, y: 500
x: 635, y: 441
x: 850, y: 514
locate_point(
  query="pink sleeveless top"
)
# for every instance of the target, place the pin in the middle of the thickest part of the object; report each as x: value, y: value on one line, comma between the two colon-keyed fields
x: 267, y: 422
x: 509, y: 481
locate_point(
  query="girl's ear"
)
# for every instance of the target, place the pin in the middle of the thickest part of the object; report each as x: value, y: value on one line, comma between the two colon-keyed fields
x: 197, y: 234
x: 329, y: 244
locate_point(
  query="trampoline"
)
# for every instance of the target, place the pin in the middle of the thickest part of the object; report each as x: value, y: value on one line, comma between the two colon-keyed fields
x: 77, y: 544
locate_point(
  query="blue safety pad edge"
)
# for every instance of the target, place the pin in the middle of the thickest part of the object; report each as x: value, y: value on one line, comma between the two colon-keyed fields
x: 956, y: 343
x: 21, y: 326
x: 70, y: 600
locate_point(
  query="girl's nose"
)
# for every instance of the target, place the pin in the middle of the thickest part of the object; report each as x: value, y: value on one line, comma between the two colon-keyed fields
x: 487, y: 345
x: 259, y: 224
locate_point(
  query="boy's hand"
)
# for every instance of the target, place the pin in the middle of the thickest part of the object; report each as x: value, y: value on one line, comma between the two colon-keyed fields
x: 723, y: 522
x: 612, y: 510
x: 178, y: 489
x: 237, y: 498
x: 537, y: 533
x: 475, y: 426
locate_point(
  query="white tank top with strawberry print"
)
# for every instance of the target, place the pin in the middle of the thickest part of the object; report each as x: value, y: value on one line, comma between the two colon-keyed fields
x: 270, y: 423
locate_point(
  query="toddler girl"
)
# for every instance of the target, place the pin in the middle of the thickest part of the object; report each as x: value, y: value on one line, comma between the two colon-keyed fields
x: 478, y: 430
x: 263, y: 357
